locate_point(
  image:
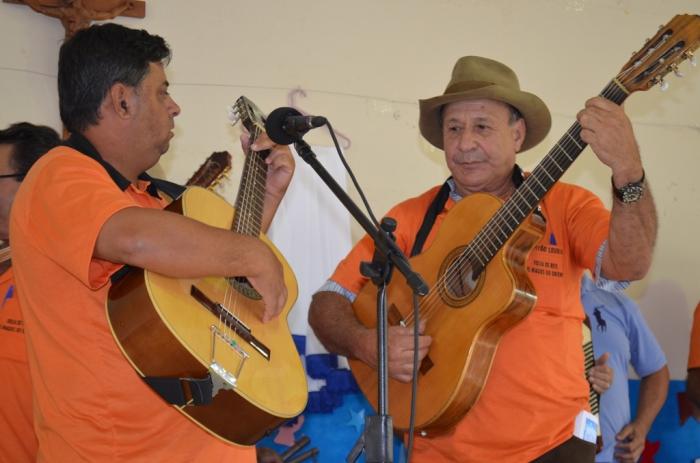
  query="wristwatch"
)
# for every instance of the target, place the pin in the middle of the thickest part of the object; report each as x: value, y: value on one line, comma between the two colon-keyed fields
x: 630, y: 193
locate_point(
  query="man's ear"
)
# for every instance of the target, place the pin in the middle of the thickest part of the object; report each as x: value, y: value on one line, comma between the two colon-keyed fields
x: 121, y: 99
x: 519, y: 130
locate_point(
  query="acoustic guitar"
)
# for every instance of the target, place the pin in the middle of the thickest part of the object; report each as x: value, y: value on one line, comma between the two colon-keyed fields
x: 211, y: 327
x: 476, y: 265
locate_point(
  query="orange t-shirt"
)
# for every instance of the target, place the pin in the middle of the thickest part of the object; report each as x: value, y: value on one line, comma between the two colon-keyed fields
x: 17, y: 440
x: 90, y: 404
x: 694, y: 354
x: 537, y: 385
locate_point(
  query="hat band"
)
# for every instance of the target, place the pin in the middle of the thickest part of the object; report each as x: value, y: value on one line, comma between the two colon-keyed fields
x: 464, y: 86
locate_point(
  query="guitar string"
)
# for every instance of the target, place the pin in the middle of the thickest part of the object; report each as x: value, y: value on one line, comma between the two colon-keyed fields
x: 250, y: 210
x: 243, y: 211
x: 227, y: 280
x: 238, y: 226
x: 254, y: 209
x: 456, y: 270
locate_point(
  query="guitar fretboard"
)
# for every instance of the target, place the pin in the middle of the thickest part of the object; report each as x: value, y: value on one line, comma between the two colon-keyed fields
x: 251, y: 192
x: 251, y: 195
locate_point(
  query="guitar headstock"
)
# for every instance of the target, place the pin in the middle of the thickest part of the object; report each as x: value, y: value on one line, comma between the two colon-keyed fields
x: 210, y: 173
x: 249, y: 114
x: 672, y: 44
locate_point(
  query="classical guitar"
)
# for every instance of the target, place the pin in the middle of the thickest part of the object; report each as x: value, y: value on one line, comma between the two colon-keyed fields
x: 212, y: 170
x: 211, y: 327
x: 476, y: 265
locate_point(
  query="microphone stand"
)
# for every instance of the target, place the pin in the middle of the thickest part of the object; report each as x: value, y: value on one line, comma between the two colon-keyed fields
x: 377, y: 437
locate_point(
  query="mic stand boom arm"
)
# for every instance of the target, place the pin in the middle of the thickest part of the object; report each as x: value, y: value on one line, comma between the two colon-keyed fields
x: 377, y: 438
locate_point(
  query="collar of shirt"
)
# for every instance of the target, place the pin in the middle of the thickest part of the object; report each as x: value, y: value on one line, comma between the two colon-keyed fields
x: 83, y: 145
x: 518, y: 177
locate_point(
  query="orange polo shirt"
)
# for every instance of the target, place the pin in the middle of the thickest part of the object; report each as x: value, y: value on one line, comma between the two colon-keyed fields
x: 537, y: 384
x: 17, y: 440
x: 694, y: 354
x: 90, y: 405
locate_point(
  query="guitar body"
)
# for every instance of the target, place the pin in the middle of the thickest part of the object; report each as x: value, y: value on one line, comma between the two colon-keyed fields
x: 166, y: 332
x: 465, y: 330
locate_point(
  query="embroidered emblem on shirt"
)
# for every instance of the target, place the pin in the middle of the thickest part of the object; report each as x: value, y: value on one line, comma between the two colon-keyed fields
x: 602, y: 325
x: 8, y: 295
x: 552, y: 239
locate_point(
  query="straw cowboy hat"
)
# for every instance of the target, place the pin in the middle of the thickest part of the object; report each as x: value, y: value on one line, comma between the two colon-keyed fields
x: 474, y: 77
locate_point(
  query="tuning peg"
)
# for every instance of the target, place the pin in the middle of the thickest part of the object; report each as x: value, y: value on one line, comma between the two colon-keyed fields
x: 689, y: 56
x: 663, y: 85
x: 233, y: 115
x: 676, y: 71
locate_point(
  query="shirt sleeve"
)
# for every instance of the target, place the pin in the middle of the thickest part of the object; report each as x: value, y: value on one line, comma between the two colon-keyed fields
x: 588, y: 222
x: 71, y: 199
x: 646, y: 355
x: 600, y: 281
x: 333, y: 287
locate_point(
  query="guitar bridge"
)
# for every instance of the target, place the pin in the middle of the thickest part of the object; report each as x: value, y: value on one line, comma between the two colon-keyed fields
x: 221, y: 377
x: 231, y: 321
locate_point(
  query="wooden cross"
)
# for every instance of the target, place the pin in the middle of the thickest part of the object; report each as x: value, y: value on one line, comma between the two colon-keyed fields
x: 78, y: 14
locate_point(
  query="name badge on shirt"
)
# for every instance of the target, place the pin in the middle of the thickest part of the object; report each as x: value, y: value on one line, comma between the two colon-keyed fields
x: 586, y: 426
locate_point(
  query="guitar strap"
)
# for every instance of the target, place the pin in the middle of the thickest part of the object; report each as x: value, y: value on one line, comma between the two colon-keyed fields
x: 438, y: 205
x: 431, y: 214
x: 180, y: 391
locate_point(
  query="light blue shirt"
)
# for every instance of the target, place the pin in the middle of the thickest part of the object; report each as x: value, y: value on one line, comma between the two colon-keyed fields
x: 618, y: 327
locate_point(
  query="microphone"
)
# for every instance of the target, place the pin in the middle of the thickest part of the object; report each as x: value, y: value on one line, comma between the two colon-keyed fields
x: 285, y: 126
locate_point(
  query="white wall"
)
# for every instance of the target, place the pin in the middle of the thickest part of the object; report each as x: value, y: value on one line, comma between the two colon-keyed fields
x: 364, y: 64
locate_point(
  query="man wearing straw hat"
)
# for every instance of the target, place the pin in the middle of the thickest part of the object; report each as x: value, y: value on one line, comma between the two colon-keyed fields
x: 536, y: 387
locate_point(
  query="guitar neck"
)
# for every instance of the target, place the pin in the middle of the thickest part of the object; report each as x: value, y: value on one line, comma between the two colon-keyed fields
x: 251, y: 195
x: 529, y: 194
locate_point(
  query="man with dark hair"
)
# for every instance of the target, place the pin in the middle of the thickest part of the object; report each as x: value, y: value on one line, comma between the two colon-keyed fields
x: 21, y: 144
x: 88, y: 208
x: 536, y: 386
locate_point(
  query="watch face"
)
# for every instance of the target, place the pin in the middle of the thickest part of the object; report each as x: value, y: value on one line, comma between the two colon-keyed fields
x: 631, y: 193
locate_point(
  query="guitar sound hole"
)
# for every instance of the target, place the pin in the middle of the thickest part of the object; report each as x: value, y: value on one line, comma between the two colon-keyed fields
x: 460, y: 281
x: 243, y: 286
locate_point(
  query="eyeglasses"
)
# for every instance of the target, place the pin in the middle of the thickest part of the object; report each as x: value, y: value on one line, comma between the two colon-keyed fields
x: 19, y: 177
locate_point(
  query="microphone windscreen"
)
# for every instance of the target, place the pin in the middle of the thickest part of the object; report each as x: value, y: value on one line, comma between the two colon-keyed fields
x: 274, y: 125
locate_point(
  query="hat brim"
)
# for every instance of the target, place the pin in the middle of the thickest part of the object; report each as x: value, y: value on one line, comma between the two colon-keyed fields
x: 538, y: 121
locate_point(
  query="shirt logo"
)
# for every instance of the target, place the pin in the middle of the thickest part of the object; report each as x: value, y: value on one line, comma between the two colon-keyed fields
x: 602, y: 325
x: 8, y: 295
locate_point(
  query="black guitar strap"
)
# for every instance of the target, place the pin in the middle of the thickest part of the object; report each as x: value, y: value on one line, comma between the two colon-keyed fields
x: 438, y: 205
x: 431, y: 214
x: 180, y: 391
